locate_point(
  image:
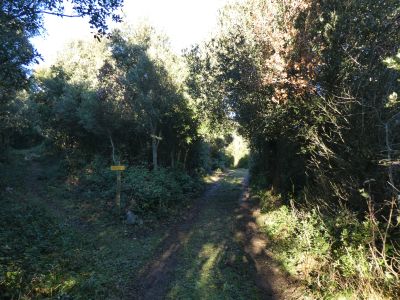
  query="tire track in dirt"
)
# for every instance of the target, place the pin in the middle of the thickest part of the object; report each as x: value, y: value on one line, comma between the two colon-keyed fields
x: 155, y: 278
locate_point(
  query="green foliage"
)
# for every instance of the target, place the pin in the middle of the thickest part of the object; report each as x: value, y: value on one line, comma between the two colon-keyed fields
x: 23, y: 258
x: 29, y: 15
x: 117, y: 97
x: 319, y: 107
x: 211, y: 153
x: 299, y: 108
x: 60, y: 237
x: 220, y: 159
x: 21, y: 20
x: 332, y: 253
x: 64, y: 257
x: 16, y: 53
x: 145, y: 192
x: 312, y: 85
x: 158, y: 191
x: 244, y: 162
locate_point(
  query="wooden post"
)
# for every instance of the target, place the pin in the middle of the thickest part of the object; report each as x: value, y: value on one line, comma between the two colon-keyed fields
x: 119, y: 169
x: 118, y: 194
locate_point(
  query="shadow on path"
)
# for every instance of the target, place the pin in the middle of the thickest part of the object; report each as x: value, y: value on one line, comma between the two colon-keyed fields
x: 269, y: 277
x: 217, y: 252
x: 155, y: 278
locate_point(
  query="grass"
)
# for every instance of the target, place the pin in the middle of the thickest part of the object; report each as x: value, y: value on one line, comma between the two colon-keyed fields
x: 213, y: 265
x: 59, y: 242
x: 330, y: 254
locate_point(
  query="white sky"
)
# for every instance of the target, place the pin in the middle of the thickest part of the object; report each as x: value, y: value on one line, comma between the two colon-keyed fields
x: 185, y: 21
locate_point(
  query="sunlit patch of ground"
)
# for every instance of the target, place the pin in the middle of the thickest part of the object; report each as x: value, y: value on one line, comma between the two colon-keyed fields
x: 212, y: 178
x: 213, y: 265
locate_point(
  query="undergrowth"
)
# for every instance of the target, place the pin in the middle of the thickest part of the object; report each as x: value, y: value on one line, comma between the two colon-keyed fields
x: 333, y: 254
x: 60, y: 237
x: 157, y: 192
x: 43, y: 256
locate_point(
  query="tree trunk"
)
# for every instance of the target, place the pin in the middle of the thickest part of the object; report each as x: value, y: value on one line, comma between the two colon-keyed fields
x: 172, y: 159
x: 185, y: 158
x: 113, y: 148
x: 178, y: 157
x: 154, y: 146
x: 275, y: 166
x: 389, y: 155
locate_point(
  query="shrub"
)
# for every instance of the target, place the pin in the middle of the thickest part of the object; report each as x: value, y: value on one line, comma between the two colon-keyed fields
x: 30, y: 241
x: 243, y: 162
x: 157, y: 191
x: 143, y: 191
x: 332, y: 253
x: 221, y: 160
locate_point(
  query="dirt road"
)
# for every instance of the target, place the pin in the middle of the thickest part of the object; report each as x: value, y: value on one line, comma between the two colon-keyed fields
x: 217, y: 252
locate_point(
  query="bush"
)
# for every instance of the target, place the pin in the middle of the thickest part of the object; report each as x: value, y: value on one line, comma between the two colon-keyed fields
x: 333, y: 254
x: 30, y: 241
x: 97, y: 180
x: 244, y: 162
x: 157, y: 191
x: 143, y: 191
x: 221, y: 160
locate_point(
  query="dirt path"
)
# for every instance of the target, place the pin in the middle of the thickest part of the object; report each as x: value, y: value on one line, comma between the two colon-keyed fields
x: 216, y: 253
x: 156, y: 276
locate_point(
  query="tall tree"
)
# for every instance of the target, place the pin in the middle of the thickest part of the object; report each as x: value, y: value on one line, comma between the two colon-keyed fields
x: 306, y: 82
x: 22, y: 19
x: 142, y: 58
x: 123, y: 96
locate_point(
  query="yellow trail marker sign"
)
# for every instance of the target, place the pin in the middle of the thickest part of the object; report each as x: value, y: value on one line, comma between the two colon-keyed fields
x: 118, y: 168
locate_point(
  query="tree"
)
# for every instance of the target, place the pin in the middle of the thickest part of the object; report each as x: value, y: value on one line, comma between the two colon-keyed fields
x: 119, y: 96
x: 66, y: 95
x: 306, y: 82
x: 29, y: 14
x: 22, y: 19
x: 141, y: 69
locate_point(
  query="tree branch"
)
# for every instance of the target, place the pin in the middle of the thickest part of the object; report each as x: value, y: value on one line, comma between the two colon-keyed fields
x: 58, y: 14
x: 113, y: 147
